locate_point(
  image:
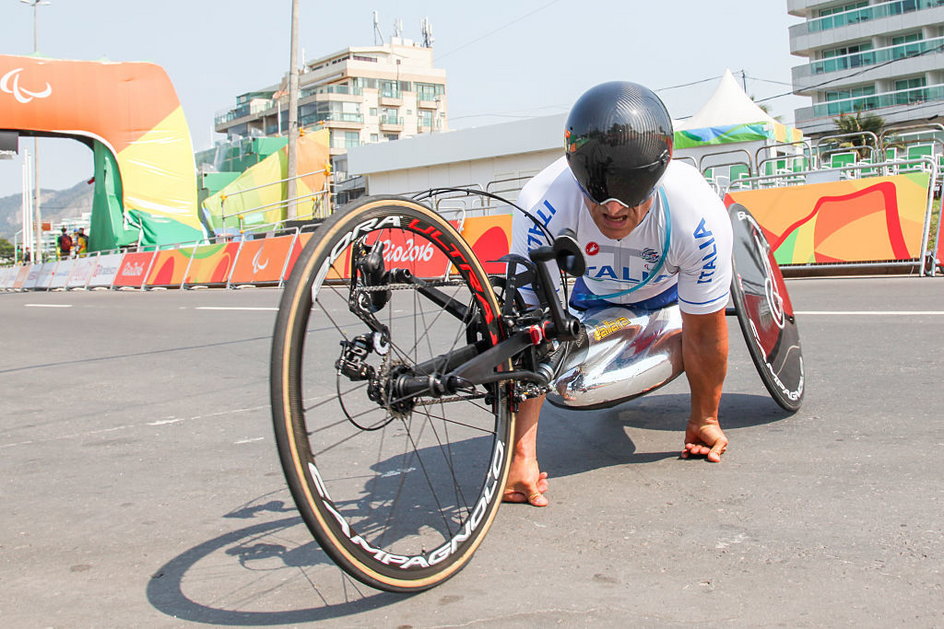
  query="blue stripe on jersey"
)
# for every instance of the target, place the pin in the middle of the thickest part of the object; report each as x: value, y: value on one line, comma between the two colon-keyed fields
x: 702, y: 303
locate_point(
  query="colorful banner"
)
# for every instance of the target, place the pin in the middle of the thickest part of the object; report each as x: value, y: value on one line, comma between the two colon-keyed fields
x: 168, y: 267
x: 133, y: 111
x: 264, y: 185
x: 106, y: 269
x: 489, y: 236
x: 857, y: 220
x: 134, y: 268
x: 262, y: 261
x: 211, y: 264
x: 744, y: 132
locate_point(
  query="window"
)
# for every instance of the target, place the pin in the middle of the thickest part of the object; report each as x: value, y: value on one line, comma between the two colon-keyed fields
x: 907, y: 45
x: 844, y: 7
x: 374, y: 137
x: 344, y: 139
x: 373, y: 111
x: 389, y: 115
x: 389, y: 89
x: 850, y: 101
x: 390, y: 137
x: 429, y: 91
x: 363, y: 83
x: 910, y: 91
x: 426, y: 119
x: 904, y: 39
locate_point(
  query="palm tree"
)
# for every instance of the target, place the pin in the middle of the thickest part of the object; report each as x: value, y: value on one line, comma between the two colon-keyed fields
x: 847, y: 123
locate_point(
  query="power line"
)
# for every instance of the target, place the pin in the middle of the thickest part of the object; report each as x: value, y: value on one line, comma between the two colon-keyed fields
x: 860, y: 72
x: 673, y: 87
x: 502, y: 27
x: 754, y: 78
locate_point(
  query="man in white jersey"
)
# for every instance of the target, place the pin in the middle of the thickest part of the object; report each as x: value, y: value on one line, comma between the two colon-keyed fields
x: 653, y: 233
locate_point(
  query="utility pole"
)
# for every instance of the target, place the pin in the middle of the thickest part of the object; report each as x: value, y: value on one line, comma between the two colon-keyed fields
x: 291, y: 188
x: 38, y: 245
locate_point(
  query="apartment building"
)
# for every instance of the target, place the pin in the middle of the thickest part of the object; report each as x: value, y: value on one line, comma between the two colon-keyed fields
x: 872, y: 56
x: 362, y: 95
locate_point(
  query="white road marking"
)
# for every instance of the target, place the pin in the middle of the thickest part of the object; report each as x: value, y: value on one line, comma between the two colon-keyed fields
x: 242, y: 441
x: 159, y: 422
x: 47, y: 305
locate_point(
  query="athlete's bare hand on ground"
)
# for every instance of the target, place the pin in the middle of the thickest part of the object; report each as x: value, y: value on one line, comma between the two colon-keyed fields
x: 526, y: 483
x: 705, y: 438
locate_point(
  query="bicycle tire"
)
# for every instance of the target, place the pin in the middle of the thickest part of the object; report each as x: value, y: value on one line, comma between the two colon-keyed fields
x: 341, y: 501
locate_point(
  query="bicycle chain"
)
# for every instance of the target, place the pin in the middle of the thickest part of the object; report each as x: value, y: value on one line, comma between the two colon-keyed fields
x: 434, y: 284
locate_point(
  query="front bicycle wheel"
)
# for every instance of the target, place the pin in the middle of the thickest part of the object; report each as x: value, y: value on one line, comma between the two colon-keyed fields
x: 397, y: 481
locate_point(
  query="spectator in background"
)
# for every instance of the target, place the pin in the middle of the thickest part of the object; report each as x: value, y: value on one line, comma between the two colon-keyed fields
x: 26, y: 256
x: 64, y: 244
x: 81, y: 242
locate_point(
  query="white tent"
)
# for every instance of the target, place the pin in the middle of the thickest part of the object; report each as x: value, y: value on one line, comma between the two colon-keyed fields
x: 730, y: 128
x: 728, y: 105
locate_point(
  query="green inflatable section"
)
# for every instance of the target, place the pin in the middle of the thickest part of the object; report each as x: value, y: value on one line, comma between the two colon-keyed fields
x: 108, y: 229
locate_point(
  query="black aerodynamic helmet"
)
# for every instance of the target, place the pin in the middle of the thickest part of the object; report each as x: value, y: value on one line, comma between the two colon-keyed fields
x: 618, y: 142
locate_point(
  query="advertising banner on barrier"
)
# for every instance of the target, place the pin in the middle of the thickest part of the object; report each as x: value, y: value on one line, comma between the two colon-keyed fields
x: 61, y: 274
x: 133, y: 268
x: 32, y: 278
x: 8, y: 276
x: 82, y: 271
x: 168, y: 267
x: 106, y: 269
x: 21, y: 275
x: 211, y: 264
x: 874, y: 219
x: 262, y: 261
x: 490, y: 237
x: 46, y: 274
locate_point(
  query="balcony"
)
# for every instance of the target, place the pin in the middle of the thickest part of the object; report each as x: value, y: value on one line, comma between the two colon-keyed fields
x: 893, y: 106
x: 340, y: 93
x: 865, y: 14
x: 802, y: 8
x: 391, y: 123
x: 252, y: 108
x: 809, y: 74
x: 333, y: 120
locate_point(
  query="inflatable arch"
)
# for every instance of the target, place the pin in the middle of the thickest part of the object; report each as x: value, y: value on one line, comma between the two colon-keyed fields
x: 131, y: 118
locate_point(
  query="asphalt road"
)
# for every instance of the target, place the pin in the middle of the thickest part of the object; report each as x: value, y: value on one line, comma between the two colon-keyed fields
x: 140, y: 486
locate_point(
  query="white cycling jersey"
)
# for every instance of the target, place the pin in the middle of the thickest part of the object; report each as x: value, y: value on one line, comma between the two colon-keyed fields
x: 684, y: 239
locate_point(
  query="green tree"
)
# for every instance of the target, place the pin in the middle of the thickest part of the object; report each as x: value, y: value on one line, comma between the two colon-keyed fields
x: 855, y: 123
x: 6, y: 250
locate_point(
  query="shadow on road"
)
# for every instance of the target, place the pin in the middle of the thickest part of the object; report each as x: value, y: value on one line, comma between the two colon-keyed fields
x: 262, y: 544
x: 573, y: 442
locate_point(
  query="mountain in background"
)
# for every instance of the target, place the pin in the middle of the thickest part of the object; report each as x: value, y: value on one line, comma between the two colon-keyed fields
x: 55, y: 205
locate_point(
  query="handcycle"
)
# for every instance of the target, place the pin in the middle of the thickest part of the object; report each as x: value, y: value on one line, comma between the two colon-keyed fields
x: 399, y: 359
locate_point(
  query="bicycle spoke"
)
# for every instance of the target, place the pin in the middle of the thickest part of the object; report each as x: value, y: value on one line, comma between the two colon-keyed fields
x: 391, y: 479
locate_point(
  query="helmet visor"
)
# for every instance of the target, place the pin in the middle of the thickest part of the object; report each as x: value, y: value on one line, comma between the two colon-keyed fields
x: 607, y: 181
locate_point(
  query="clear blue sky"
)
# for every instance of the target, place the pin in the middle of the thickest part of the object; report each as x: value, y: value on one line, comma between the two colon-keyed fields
x: 504, y: 59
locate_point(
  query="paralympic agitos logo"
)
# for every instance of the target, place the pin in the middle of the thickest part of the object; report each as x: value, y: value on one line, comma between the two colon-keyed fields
x: 10, y: 84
